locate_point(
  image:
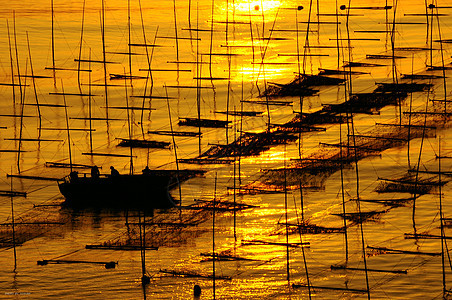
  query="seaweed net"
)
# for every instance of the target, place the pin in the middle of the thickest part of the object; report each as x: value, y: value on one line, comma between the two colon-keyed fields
x: 249, y: 144
x: 410, y: 87
x: 306, y: 227
x: 313, y: 170
x: 171, y: 228
x: 300, y: 86
x: 39, y: 221
x: 360, y: 217
x: 409, y: 183
x: 167, y: 229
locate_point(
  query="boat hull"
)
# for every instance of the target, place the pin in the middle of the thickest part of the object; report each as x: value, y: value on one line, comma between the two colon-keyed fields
x: 129, y: 191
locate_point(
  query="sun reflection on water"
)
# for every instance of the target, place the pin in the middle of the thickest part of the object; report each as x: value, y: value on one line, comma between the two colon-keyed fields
x: 257, y: 6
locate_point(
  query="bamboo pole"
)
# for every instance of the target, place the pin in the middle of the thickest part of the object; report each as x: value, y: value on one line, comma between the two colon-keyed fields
x: 34, y: 87
x: 53, y: 42
x: 12, y: 222
x: 81, y: 46
x: 67, y: 127
x: 175, y: 148
x: 11, y: 64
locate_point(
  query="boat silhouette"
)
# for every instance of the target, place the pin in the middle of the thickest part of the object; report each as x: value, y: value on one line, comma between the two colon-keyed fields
x: 132, y: 191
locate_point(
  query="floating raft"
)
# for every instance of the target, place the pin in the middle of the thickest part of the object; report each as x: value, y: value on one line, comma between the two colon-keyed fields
x: 205, y: 161
x: 266, y: 243
x: 96, y: 61
x: 71, y: 94
x: 343, y: 7
x: 352, y: 64
x: 32, y: 140
x: 412, y: 49
x: 125, y: 53
x: 107, y: 154
x: 384, y: 250
x: 195, y: 122
x: 224, y: 256
x: 33, y: 177
x: 327, y: 288
x: 341, y: 267
x: 294, y: 88
x: 408, y: 184
x: 137, y: 143
x: 150, y: 97
x: 46, y: 105
x: 425, y: 236
x: 95, y: 119
x: 241, y: 113
x: 119, y: 247
x: 220, y: 205
x: 67, y: 69
x: 314, y: 229
x: 269, y: 102
x: 420, y: 76
x: 438, y: 68
x: 411, y: 180
x: 254, y: 191
x: 33, y: 223
x: 398, y: 202
x: 49, y: 164
x: 108, y: 265
x: 16, y: 116
x: 361, y: 217
x: 12, y: 84
x: 121, y: 76
x: 301, y: 85
x: 71, y: 129
x: 176, y: 133
x: 383, y: 56
x: 182, y: 175
x: 193, y: 274
x: 13, y: 194
x: 339, y: 72
x: 168, y: 224
x: 402, y: 87
x: 131, y: 107
x: 34, y: 76
x: 297, y: 128
x: 144, y: 45
x: 249, y: 144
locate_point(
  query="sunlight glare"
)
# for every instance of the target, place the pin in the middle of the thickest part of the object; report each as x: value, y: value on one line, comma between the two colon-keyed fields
x: 257, y: 6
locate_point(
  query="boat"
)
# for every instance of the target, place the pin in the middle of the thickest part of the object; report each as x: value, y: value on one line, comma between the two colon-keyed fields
x: 150, y: 190
x: 119, y: 191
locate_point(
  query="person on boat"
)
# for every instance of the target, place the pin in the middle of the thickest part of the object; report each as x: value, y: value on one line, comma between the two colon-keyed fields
x: 146, y: 171
x: 114, y: 172
x: 95, y: 172
x: 73, y: 176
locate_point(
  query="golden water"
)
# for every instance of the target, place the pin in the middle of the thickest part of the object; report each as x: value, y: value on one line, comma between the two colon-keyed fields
x: 240, y: 25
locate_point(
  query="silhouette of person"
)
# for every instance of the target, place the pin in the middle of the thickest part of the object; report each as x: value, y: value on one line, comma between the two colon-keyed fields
x: 95, y: 172
x: 114, y: 172
x: 73, y: 175
x: 146, y: 171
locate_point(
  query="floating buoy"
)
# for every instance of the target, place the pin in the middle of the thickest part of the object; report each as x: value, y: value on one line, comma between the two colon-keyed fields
x: 110, y: 265
x: 197, y: 290
x: 145, y: 280
x: 42, y: 262
x: 256, y: 7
